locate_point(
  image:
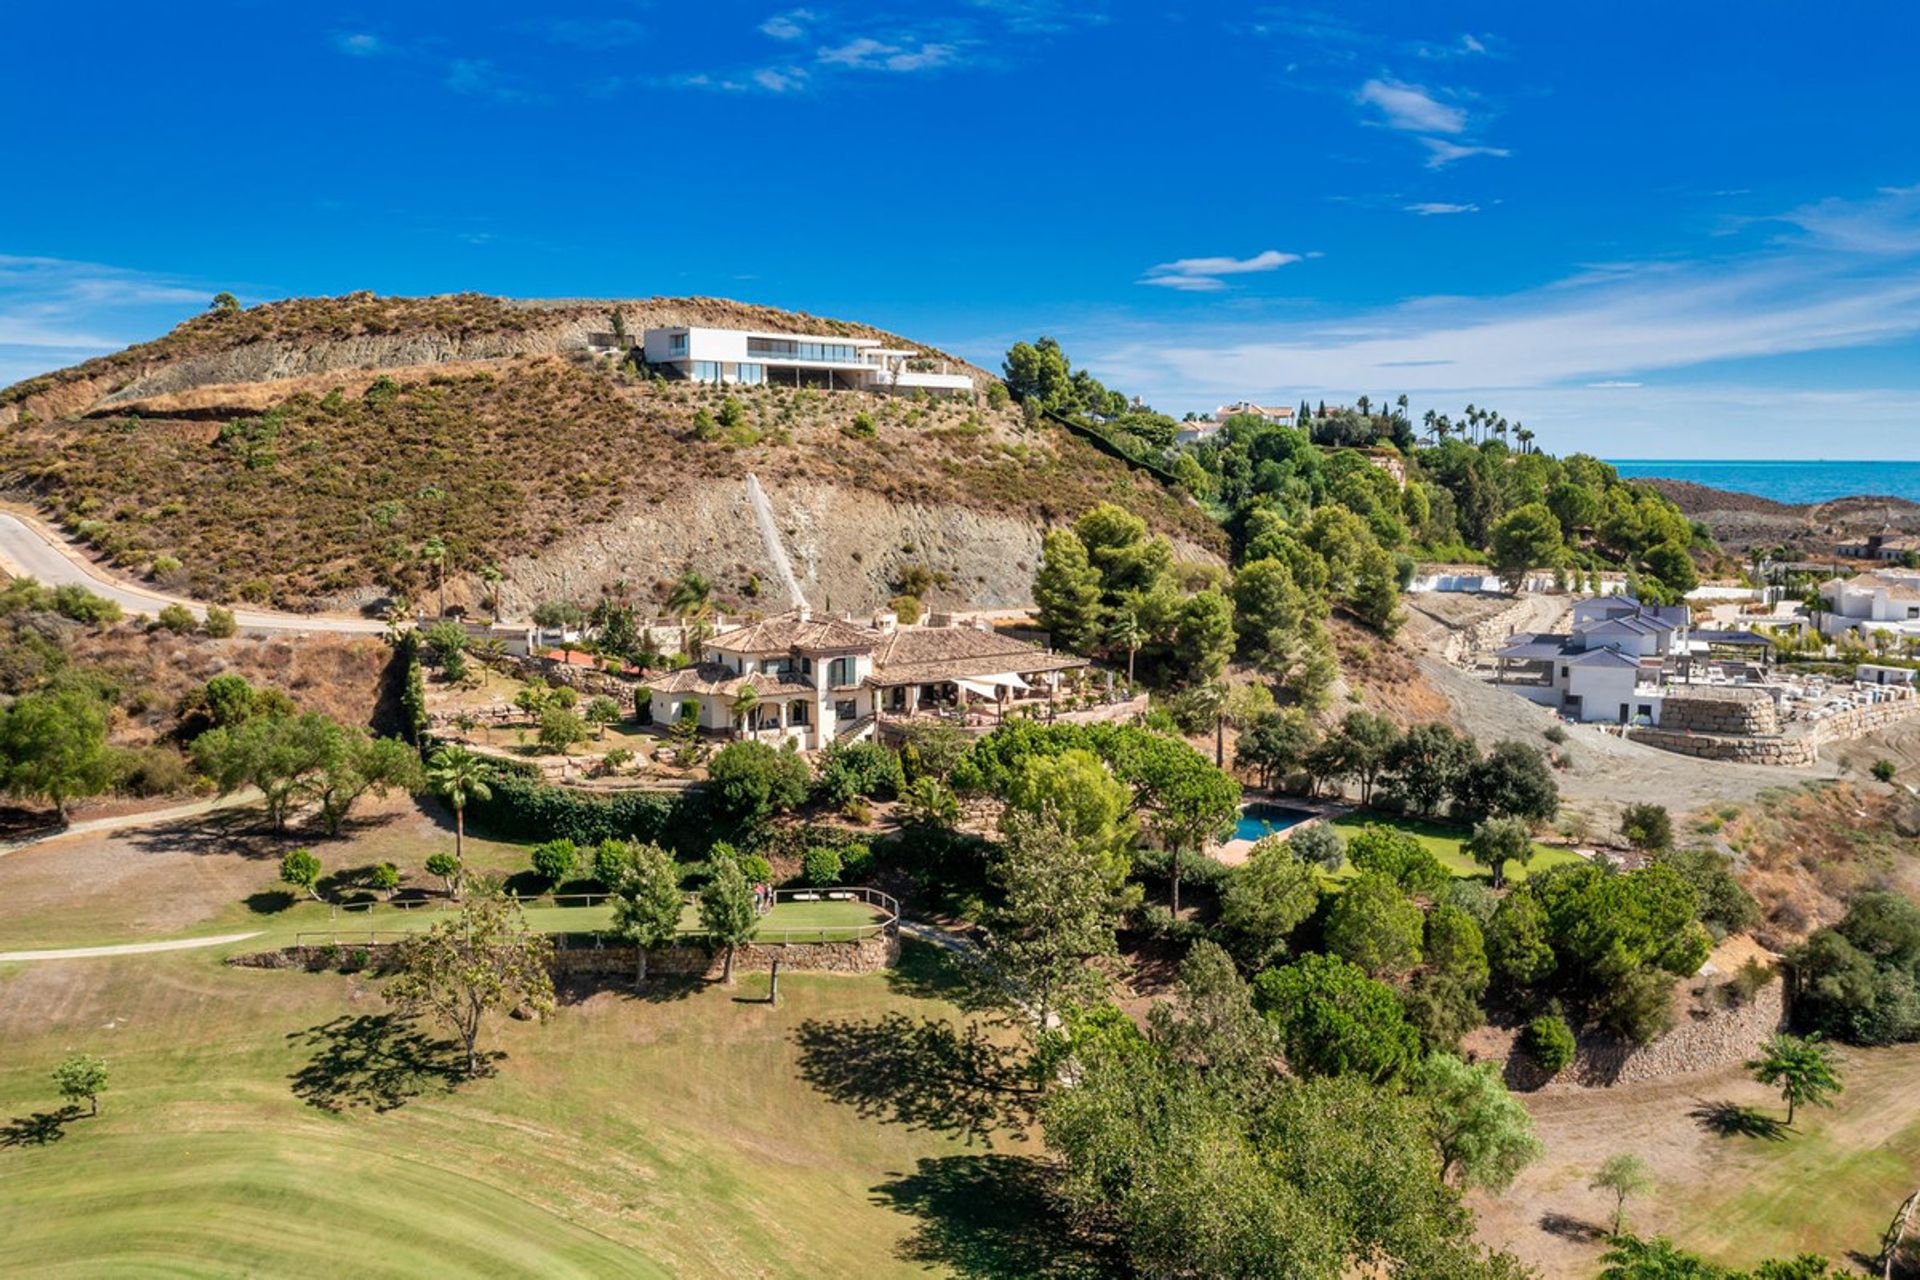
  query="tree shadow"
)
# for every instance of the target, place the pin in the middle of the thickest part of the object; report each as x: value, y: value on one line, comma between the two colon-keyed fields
x: 240, y: 832
x: 269, y: 902
x: 1730, y: 1120
x: 660, y: 988
x: 375, y: 1060
x: 989, y: 1216
x: 929, y: 972
x: 1568, y: 1227
x: 925, y: 1074
x: 40, y: 1129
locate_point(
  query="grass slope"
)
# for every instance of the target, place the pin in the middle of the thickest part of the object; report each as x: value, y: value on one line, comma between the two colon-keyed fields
x: 672, y: 1136
x: 1446, y: 844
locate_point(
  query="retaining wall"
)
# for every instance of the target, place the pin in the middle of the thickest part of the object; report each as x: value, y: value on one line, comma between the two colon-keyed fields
x: 1743, y: 711
x: 1706, y: 1039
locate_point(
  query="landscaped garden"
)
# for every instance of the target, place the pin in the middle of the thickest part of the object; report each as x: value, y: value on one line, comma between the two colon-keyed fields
x: 1447, y: 844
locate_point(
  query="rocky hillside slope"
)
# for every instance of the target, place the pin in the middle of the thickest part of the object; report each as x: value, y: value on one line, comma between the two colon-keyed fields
x: 1741, y: 522
x: 327, y: 453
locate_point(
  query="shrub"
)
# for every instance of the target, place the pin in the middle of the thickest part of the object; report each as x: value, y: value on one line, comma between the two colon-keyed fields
x: 753, y: 779
x: 1320, y: 844
x: 861, y: 428
x: 1556, y: 734
x: 165, y: 564
x: 177, y: 618
x: 907, y: 608
x: 1884, y: 770
x: 220, y: 622
x: 522, y: 808
x: 849, y: 770
x: 556, y: 860
x: 821, y: 865
x: 1646, y: 826
x: 610, y: 859
x: 153, y: 771
x: 385, y: 877
x: 1747, y: 981
x: 1548, y: 1040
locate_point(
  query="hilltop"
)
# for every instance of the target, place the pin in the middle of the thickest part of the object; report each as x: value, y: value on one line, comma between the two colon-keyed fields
x: 309, y: 453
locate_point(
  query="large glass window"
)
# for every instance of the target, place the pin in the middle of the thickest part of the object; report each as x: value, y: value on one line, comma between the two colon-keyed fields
x: 676, y: 344
x: 706, y: 371
x: 793, y: 349
x: 751, y: 374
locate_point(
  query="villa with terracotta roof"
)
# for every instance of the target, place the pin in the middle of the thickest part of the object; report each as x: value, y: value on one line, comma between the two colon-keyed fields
x: 818, y: 679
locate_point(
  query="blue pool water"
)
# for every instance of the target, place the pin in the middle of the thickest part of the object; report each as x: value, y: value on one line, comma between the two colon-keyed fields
x: 1258, y: 821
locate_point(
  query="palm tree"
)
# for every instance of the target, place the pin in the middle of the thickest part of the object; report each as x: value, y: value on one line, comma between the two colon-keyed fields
x: 1211, y: 700
x: 691, y: 597
x: 1525, y: 437
x: 1124, y: 632
x: 457, y: 775
x: 491, y: 576
x: 434, y: 552
x: 743, y: 706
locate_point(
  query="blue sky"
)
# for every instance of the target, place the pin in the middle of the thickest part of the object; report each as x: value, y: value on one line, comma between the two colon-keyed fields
x: 1645, y: 229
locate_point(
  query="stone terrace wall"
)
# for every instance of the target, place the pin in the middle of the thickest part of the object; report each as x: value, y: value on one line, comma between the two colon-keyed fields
x: 1742, y: 711
x: 1862, y: 720
x: 1705, y: 1040
x: 1775, y: 750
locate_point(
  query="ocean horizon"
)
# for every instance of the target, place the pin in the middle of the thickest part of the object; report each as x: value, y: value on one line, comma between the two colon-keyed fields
x: 1794, y: 480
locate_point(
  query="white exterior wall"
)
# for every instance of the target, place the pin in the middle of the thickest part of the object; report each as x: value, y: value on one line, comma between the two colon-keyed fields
x: 1601, y: 690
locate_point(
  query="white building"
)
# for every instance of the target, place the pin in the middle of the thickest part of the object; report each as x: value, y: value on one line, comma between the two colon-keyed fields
x: 751, y: 357
x: 818, y: 680
x: 1886, y: 600
x: 1609, y: 667
x: 1279, y: 415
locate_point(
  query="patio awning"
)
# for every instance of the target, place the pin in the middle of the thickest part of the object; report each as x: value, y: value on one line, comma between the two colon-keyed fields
x: 990, y: 686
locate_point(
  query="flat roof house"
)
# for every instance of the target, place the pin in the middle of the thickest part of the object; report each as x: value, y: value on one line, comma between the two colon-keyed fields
x: 752, y: 357
x: 1884, y: 600
x: 1607, y: 667
x: 818, y: 680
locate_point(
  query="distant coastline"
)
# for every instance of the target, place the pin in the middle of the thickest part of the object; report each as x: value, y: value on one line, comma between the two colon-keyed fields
x: 1798, y: 481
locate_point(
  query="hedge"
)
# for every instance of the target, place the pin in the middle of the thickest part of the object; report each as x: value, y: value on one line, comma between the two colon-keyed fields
x: 522, y: 809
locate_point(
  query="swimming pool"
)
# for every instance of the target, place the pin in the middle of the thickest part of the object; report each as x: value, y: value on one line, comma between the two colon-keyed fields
x: 1258, y: 821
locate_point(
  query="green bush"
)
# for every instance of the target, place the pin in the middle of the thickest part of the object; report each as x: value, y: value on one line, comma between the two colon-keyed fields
x: 177, y: 618
x: 523, y: 808
x: 220, y: 622
x: 856, y: 769
x: 556, y: 860
x: 821, y: 865
x: 1548, y: 1040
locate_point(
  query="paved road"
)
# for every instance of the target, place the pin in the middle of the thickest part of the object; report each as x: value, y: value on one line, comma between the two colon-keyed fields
x: 126, y: 948
x: 30, y: 548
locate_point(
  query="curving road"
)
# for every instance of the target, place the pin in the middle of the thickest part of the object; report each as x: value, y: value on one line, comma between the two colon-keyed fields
x: 30, y: 548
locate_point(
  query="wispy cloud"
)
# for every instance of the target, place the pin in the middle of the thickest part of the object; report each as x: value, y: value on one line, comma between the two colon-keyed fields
x: 54, y: 311
x: 1203, y: 275
x: 1411, y: 107
x: 591, y: 33
x: 1607, y: 326
x: 867, y: 54
x: 791, y: 25
x: 1614, y: 384
x: 361, y: 44
x: 1439, y: 208
x: 478, y: 77
x: 1441, y: 153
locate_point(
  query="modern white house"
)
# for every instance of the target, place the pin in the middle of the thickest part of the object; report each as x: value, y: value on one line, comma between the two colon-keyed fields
x: 817, y: 680
x: 1609, y: 667
x: 752, y: 357
x: 1886, y: 600
x: 1279, y: 415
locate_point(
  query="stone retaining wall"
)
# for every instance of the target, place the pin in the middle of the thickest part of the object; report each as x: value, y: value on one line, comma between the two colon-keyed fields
x: 1736, y: 711
x: 1775, y: 750
x: 864, y: 955
x: 1863, y: 720
x: 1463, y: 643
x: 1706, y: 1039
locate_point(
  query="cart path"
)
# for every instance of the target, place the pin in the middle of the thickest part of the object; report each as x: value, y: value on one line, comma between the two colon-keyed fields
x: 126, y: 948
x: 126, y: 821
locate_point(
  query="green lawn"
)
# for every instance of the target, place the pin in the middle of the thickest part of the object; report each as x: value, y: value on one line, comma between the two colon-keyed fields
x: 787, y: 921
x: 678, y: 1135
x: 1444, y: 842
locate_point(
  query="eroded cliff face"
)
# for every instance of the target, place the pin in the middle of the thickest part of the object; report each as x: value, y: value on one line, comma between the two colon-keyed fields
x: 848, y: 548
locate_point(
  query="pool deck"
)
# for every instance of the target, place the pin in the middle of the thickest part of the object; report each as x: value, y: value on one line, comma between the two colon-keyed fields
x: 1235, y: 852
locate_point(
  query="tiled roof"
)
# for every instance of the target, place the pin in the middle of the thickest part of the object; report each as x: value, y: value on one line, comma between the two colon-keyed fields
x: 785, y: 632
x: 916, y: 655
x: 715, y: 678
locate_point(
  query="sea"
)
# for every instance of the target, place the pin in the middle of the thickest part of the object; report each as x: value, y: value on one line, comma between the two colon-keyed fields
x: 1796, y: 481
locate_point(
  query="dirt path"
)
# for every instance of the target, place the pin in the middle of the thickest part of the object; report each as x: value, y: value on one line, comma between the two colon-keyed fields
x: 29, y: 547
x: 125, y: 948
x: 132, y: 821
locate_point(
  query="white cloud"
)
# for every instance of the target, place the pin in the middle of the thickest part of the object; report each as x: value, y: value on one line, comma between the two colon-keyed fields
x: 1411, y: 108
x: 868, y: 54
x: 1202, y: 275
x: 791, y: 25
x: 1441, y: 153
x: 1437, y: 208
x: 781, y: 79
x: 1888, y: 223
x: 361, y: 44
x: 477, y: 77
x: 55, y: 311
x: 1597, y: 332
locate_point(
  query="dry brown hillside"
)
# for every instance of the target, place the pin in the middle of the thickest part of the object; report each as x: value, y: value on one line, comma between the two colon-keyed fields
x: 310, y: 453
